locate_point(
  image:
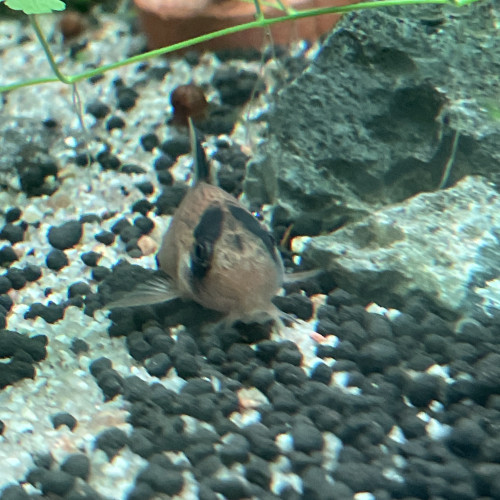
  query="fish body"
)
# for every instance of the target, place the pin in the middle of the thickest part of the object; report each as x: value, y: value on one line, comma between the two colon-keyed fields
x: 214, y: 252
x: 219, y: 255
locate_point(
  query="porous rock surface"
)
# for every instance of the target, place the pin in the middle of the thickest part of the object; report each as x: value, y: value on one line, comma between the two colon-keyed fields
x: 443, y: 245
x: 394, y: 97
x: 371, y: 120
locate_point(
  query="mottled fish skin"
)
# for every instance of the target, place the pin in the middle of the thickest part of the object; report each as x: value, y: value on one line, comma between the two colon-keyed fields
x: 243, y: 276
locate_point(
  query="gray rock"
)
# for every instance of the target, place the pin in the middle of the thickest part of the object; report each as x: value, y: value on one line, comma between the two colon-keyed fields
x: 26, y: 161
x: 373, y: 119
x: 443, y: 245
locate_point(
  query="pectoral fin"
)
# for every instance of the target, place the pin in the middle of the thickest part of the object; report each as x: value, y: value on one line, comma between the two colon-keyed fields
x: 301, y: 275
x: 155, y: 291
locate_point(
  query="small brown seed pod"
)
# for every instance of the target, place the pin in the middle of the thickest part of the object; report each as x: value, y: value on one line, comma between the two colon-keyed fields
x: 72, y: 24
x: 188, y: 101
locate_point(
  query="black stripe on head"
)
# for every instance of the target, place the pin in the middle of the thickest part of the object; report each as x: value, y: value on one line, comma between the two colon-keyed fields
x: 252, y: 224
x: 206, y: 233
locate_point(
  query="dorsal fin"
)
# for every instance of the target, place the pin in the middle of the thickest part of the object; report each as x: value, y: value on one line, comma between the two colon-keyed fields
x: 201, y: 166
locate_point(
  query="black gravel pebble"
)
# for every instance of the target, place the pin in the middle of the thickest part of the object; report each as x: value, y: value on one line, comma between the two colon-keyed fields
x: 114, y: 122
x: 232, y: 488
x: 146, y: 187
x: 12, y: 232
x: 165, y: 178
x: 466, y: 438
x: 16, y: 277
x: 132, y: 168
x: 51, y: 313
x: 78, y: 465
x: 297, y: 304
x: 17, y: 368
x: 158, y: 365
x: 79, y: 346
x: 56, y: 482
x: 99, y: 365
x: 108, y: 161
x: 288, y: 374
x: 196, y: 452
x: 105, y: 237
x: 56, y: 259
x: 97, y: 109
x: 135, y: 389
x: 13, y: 342
x: 130, y: 233
x: 283, y: 399
x: 306, y: 438
x: 176, y: 147
x: 142, y: 206
x: 111, y: 383
x: 288, y: 352
x: 100, y: 273
x: 63, y: 418
x: 267, y: 350
x: 13, y: 214
x: 235, y: 86
x: 5, y: 301
x: 50, y: 123
x: 162, y: 480
x: 145, y: 224
x: 186, y: 366
x: 83, y: 159
x: 126, y: 98
x: 422, y: 389
x: 5, y: 284
x: 261, y: 441
x: 14, y: 492
x: 378, y: 355
x: 149, y: 141
x: 158, y: 72
x: 163, y: 162
x: 32, y: 272
x: 322, y: 373
x: 316, y: 485
x: 142, y: 441
x: 90, y: 258
x: 192, y: 57
x: 7, y: 256
x: 119, y: 225
x: 257, y: 472
x: 111, y: 441
x: 78, y: 288
x: 170, y: 198
x: 339, y: 297
x: 141, y: 491
x: 90, y: 218
x: 66, y: 235
x: 236, y: 448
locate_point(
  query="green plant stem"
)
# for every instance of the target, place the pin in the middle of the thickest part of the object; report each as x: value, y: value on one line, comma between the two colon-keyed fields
x: 259, y: 23
x: 46, y: 49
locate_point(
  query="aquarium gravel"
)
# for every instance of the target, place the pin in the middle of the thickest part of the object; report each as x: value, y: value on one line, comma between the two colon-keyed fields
x: 352, y: 401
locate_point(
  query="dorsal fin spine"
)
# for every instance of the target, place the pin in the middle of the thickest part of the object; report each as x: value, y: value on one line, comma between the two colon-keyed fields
x: 201, y: 166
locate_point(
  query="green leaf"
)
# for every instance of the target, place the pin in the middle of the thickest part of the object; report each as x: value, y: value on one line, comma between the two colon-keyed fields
x: 36, y: 6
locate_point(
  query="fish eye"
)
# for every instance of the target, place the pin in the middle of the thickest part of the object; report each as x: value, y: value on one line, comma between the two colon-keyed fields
x: 202, y: 252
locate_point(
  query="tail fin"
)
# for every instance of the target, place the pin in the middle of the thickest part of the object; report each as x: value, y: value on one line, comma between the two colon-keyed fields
x: 201, y: 166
